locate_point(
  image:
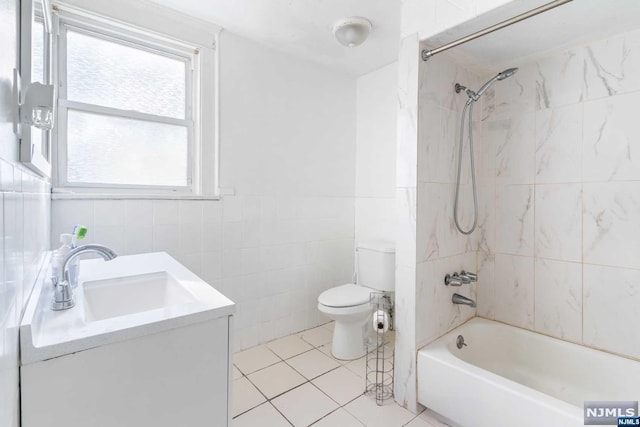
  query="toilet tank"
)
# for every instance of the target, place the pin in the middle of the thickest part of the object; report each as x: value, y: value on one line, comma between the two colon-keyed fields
x: 376, y: 265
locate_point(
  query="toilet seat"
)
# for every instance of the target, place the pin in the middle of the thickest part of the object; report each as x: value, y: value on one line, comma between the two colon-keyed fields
x: 345, y: 296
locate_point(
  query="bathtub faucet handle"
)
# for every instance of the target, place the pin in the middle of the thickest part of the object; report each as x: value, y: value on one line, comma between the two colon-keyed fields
x: 454, y: 280
x: 471, y: 277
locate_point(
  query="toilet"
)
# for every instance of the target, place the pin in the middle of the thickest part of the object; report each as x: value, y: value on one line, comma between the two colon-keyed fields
x: 348, y: 305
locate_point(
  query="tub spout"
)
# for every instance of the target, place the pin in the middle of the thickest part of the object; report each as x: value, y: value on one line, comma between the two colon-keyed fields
x: 459, y: 299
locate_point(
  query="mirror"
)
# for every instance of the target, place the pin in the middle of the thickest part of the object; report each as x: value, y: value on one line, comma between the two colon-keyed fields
x: 35, y: 66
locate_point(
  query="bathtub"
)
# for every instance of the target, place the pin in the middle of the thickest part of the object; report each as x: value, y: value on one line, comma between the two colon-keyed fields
x: 507, y: 376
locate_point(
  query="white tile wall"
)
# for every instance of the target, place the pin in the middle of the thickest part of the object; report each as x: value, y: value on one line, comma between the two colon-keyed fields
x: 436, y: 314
x: 441, y: 248
x: 376, y: 130
x: 25, y: 210
x: 420, y: 19
x: 612, y: 309
x: 514, y: 219
x: 406, y: 186
x: 559, y: 144
x: 24, y: 223
x: 574, y: 227
x: 558, y: 298
x: 514, y: 290
x: 558, y: 221
x: 273, y: 267
x: 610, y: 129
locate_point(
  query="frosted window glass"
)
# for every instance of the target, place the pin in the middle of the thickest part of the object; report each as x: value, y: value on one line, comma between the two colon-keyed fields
x: 114, y: 150
x: 37, y: 52
x: 113, y: 75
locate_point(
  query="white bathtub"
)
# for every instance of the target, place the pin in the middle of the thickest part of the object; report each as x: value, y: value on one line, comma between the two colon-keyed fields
x: 507, y: 376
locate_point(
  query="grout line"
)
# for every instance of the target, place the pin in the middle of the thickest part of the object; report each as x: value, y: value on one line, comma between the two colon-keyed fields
x: 278, y: 411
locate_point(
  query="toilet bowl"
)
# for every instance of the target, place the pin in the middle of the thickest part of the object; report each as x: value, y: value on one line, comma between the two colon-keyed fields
x: 349, y: 305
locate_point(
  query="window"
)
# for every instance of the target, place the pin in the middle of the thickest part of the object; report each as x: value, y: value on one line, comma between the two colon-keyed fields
x: 128, y: 111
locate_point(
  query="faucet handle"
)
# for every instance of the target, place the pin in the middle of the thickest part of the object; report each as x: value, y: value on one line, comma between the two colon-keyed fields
x: 454, y: 280
x: 62, y: 296
x: 470, y: 277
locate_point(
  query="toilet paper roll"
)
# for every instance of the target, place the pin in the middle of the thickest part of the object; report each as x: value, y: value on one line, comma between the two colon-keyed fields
x: 380, y: 321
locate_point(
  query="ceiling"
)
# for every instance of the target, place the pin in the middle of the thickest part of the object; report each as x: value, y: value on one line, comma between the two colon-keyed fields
x: 304, y: 27
x: 573, y: 23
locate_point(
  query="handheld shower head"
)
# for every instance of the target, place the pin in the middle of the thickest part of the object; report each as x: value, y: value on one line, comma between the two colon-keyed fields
x: 500, y: 76
x: 507, y: 73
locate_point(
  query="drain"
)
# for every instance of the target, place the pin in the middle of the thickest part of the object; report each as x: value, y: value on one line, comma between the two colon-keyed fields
x: 460, y: 341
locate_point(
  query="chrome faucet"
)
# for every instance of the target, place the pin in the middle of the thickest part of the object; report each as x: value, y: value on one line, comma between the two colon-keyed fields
x: 459, y: 279
x: 459, y: 299
x: 468, y: 276
x: 63, y: 294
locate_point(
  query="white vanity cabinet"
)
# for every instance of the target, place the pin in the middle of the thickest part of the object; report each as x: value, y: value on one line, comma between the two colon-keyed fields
x: 167, y: 367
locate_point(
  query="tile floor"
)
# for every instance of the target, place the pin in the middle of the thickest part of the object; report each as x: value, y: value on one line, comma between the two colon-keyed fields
x: 295, y: 381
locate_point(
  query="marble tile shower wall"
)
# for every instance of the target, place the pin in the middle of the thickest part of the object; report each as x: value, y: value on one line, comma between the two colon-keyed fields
x: 271, y: 255
x: 419, y: 20
x: 441, y: 249
x: 24, y: 210
x: 559, y: 166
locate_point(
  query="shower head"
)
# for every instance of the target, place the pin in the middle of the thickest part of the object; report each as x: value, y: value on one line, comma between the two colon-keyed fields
x: 500, y: 76
x: 507, y: 73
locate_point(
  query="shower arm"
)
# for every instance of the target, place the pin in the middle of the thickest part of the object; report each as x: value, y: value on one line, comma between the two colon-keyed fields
x: 428, y: 53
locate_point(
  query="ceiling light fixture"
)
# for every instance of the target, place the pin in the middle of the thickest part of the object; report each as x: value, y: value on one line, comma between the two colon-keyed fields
x: 352, y: 32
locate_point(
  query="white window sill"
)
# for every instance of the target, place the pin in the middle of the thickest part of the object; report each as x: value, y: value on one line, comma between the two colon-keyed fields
x: 106, y: 196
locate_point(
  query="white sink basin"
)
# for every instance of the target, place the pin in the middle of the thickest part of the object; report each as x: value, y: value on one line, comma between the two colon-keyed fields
x: 126, y: 298
x: 104, y: 299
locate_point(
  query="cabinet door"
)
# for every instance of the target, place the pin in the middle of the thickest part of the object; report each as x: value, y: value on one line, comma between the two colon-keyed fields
x: 173, y: 378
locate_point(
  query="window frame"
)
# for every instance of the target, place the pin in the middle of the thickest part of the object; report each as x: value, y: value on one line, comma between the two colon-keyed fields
x: 35, y: 155
x: 132, y: 36
x: 42, y: 160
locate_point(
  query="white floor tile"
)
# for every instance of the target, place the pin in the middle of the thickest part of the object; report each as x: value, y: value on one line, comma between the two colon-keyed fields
x: 419, y: 422
x: 312, y: 363
x: 276, y: 379
x: 317, y: 336
x: 289, y: 346
x: 429, y: 417
x: 254, y: 358
x: 370, y: 414
x: 304, y: 405
x: 329, y: 326
x: 245, y: 396
x: 358, y: 366
x: 339, y: 418
x: 326, y: 349
x: 236, y: 373
x: 263, y: 415
x: 341, y: 385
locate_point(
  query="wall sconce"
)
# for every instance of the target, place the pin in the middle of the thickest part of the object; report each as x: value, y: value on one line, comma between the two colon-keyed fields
x: 34, y: 107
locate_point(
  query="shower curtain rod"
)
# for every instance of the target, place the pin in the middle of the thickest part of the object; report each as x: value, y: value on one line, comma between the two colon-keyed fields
x: 428, y: 53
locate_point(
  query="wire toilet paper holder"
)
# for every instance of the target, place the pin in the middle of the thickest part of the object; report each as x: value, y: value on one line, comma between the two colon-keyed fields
x: 380, y: 348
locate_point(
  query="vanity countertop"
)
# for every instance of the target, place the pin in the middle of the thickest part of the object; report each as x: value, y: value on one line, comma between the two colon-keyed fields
x: 45, y: 334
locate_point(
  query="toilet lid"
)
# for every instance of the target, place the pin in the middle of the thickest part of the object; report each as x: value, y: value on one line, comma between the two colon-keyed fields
x: 345, y: 296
